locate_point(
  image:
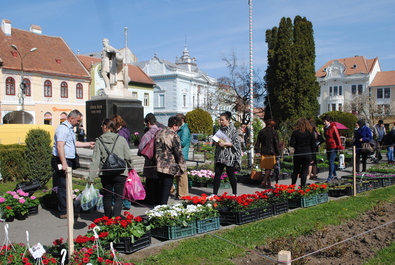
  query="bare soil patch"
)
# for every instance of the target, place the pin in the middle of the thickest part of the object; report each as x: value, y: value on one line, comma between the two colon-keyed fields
x: 351, y: 252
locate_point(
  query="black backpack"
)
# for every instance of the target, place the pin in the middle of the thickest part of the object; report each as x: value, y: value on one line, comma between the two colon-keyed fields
x: 113, y: 165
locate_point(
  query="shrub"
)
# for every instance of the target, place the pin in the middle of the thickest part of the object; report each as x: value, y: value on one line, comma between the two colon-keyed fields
x: 38, y: 145
x: 199, y: 121
x: 12, y: 165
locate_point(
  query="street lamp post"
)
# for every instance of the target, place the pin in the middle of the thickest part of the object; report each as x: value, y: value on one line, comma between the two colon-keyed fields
x: 22, y: 85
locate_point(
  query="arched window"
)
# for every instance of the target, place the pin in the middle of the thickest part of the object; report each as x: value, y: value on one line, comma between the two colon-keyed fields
x: 64, y: 90
x: 10, y: 86
x: 28, y: 90
x: 47, y: 88
x: 79, y: 91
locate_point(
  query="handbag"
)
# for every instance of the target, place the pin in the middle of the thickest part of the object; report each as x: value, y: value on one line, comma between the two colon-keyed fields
x: 366, y: 148
x: 134, y: 189
x: 148, y: 150
x: 76, y: 162
x: 256, y: 175
x: 113, y: 164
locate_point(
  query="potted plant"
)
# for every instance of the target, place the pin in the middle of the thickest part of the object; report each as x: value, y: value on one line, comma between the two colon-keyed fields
x: 172, y: 221
x: 200, y: 178
x: 17, y: 253
x: 19, y: 201
x: 135, y: 138
x: 128, y: 235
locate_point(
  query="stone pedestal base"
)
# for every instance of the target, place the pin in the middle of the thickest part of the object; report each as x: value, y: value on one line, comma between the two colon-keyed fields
x: 101, y: 107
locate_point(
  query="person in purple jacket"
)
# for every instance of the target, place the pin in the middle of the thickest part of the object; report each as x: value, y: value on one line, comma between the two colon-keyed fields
x: 123, y: 131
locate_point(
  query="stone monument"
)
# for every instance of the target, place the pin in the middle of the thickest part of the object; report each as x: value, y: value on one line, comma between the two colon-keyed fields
x: 117, y: 99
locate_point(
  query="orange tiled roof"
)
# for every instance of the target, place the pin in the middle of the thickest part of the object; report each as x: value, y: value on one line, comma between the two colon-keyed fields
x: 136, y: 75
x: 386, y: 78
x: 362, y: 64
x: 53, y: 56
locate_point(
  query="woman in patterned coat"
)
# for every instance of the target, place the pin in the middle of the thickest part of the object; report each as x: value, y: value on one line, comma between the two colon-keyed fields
x: 227, y: 154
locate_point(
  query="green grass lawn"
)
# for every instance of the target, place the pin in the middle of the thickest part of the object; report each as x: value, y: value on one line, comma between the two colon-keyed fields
x: 209, y: 249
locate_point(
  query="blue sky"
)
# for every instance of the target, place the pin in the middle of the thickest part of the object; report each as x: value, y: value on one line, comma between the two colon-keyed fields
x: 211, y: 29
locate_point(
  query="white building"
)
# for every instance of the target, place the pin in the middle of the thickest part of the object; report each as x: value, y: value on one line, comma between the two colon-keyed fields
x: 355, y: 84
x: 180, y: 86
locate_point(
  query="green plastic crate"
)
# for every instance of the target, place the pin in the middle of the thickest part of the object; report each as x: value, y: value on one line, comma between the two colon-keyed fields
x: 174, y: 232
x: 303, y: 202
x: 206, y: 225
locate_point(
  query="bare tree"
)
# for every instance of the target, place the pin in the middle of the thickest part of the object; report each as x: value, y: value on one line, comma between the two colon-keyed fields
x: 234, y: 90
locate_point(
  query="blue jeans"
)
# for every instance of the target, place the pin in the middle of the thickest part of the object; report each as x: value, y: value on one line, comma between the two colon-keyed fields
x: 331, y: 155
x: 390, y: 154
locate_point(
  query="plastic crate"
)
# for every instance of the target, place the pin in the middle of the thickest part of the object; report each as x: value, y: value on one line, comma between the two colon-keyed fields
x: 126, y: 246
x: 198, y: 184
x: 386, y: 182
x: 33, y: 210
x: 238, y: 218
x: 303, y: 202
x: 280, y: 207
x: 264, y: 212
x: 323, y: 197
x: 174, y: 232
x: 206, y: 225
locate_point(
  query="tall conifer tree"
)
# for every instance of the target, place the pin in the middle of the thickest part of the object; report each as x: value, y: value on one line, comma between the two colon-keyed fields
x: 290, y: 77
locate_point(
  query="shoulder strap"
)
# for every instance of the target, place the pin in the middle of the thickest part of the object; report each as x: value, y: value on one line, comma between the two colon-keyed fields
x: 108, y: 151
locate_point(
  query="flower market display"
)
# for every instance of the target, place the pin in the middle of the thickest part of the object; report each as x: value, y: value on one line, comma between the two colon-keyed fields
x: 205, y: 178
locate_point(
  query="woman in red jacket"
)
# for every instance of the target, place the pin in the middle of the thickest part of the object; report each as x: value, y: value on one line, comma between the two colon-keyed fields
x: 333, y: 143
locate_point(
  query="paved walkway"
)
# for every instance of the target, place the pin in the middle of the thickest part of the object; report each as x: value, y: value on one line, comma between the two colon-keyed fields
x: 45, y: 227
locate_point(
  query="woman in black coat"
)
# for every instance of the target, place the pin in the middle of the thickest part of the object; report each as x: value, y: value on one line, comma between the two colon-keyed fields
x: 303, y: 141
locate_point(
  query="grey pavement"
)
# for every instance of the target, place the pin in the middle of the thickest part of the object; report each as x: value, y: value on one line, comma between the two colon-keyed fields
x: 45, y: 227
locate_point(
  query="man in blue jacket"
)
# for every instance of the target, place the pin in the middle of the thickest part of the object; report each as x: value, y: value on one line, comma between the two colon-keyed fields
x: 185, y: 137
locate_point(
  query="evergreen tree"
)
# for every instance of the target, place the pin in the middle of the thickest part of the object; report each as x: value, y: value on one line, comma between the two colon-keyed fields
x: 290, y: 77
x: 38, y: 154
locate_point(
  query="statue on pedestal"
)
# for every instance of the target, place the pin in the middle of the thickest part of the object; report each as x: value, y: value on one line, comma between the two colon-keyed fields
x: 114, y: 72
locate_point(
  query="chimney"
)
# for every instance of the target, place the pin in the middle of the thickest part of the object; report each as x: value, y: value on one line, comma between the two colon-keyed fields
x: 36, y: 29
x: 6, y: 27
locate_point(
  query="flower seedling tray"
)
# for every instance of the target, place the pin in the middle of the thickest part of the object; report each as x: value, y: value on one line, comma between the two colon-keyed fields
x: 280, y: 207
x: 323, y: 197
x: 126, y: 246
x: 238, y: 218
x: 386, y: 182
x: 264, y: 212
x: 206, y: 225
x: 174, y: 232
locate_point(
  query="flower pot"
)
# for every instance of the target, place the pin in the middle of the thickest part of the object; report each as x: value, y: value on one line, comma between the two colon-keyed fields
x: 136, y: 142
x: 10, y: 219
x: 20, y: 216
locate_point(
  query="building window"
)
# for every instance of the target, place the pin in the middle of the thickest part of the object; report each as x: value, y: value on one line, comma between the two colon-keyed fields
x: 330, y: 91
x: 79, y: 91
x: 379, y: 93
x: 184, y: 100
x: 47, y: 88
x: 340, y: 90
x: 161, y: 101
x: 335, y: 91
x: 64, y: 90
x: 354, y: 89
x: 146, y: 99
x: 360, y: 89
x: 134, y: 94
x: 340, y: 107
x: 333, y: 107
x: 329, y: 107
x: 10, y: 86
x: 387, y: 92
x: 193, y: 101
x: 28, y: 90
